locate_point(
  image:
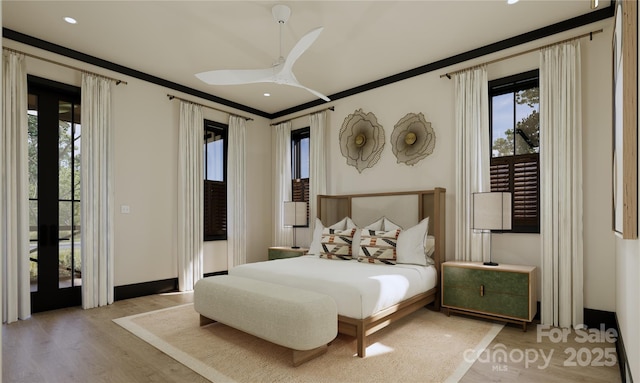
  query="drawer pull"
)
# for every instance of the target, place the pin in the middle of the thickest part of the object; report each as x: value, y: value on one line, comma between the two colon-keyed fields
x: 482, y: 290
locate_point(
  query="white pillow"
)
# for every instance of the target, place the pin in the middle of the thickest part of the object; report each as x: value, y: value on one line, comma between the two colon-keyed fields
x: 315, y: 246
x: 411, y: 244
x: 388, y: 225
x: 376, y: 226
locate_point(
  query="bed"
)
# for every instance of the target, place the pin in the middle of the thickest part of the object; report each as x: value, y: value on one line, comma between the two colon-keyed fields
x: 369, y: 296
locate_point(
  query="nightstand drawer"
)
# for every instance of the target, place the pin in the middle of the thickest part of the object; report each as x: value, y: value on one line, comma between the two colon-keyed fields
x: 497, y: 281
x: 487, y: 301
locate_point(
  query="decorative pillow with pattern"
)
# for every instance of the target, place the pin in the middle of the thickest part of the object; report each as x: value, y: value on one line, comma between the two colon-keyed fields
x: 378, y: 246
x: 336, y: 244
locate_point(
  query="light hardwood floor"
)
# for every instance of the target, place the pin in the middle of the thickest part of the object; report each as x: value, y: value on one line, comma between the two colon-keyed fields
x: 74, y: 345
x: 572, y: 357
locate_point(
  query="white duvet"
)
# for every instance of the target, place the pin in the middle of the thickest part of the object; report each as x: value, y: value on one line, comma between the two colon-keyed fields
x: 359, y: 289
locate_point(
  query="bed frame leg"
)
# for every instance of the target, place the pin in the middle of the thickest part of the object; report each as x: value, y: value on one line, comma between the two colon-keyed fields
x: 300, y: 357
x: 205, y: 321
x: 362, y: 343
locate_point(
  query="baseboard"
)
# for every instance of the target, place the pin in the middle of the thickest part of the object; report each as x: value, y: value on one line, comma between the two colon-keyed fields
x: 592, y: 318
x: 598, y: 318
x: 609, y: 320
x: 224, y: 272
x: 145, y: 288
x: 623, y: 362
x: 153, y: 287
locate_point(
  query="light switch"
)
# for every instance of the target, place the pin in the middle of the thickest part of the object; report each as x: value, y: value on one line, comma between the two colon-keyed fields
x: 125, y: 209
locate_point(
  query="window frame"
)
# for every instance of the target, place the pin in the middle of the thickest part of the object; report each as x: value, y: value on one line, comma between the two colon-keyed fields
x: 297, y: 182
x: 511, y: 84
x: 211, y: 127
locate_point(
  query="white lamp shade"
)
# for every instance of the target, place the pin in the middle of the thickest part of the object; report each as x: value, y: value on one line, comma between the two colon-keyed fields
x: 491, y: 211
x: 295, y: 213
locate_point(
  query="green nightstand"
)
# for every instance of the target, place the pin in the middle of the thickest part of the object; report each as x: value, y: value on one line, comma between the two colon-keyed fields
x: 504, y: 292
x: 279, y: 252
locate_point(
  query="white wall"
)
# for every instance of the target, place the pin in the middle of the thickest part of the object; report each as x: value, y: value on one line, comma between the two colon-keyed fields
x: 433, y: 96
x: 146, y: 152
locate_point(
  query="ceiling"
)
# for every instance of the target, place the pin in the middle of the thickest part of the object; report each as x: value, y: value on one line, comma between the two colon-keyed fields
x: 362, y: 41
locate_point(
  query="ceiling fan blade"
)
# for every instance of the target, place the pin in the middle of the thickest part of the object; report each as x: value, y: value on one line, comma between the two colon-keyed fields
x: 288, y: 78
x: 316, y: 93
x: 301, y: 46
x: 235, y: 77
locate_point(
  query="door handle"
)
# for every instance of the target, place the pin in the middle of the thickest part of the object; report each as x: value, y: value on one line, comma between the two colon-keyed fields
x: 482, y: 290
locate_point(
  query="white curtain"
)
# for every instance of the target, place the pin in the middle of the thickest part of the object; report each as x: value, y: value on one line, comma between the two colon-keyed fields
x: 561, y: 185
x: 282, y: 236
x: 96, y: 192
x: 317, y: 163
x: 190, y: 196
x: 14, y: 190
x: 236, y: 193
x: 472, y: 158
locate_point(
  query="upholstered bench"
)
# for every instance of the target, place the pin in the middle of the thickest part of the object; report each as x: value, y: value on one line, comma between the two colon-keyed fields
x: 302, y: 320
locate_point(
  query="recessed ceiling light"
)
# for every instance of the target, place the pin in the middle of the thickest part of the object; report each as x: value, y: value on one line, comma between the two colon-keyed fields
x: 267, y: 94
x: 70, y: 20
x: 512, y: 1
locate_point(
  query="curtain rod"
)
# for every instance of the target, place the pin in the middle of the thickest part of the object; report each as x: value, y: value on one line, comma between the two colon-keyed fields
x: 171, y: 97
x: 117, y: 81
x: 331, y: 108
x: 590, y: 34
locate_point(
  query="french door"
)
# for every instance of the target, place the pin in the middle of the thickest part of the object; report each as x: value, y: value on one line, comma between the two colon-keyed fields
x: 54, y: 194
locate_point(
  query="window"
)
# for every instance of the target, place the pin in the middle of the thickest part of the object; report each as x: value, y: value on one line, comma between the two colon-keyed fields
x: 300, y: 166
x: 215, y: 181
x: 515, y: 146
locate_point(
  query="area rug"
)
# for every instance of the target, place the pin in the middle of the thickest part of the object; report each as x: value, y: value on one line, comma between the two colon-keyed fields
x: 425, y: 346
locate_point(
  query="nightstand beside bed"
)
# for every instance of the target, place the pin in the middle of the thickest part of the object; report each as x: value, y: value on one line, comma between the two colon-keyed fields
x: 503, y: 292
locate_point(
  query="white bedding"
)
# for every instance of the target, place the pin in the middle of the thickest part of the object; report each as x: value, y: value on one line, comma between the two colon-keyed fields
x: 359, y: 289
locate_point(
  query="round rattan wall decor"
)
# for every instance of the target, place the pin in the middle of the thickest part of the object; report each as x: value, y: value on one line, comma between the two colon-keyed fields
x: 412, y: 139
x: 361, y: 140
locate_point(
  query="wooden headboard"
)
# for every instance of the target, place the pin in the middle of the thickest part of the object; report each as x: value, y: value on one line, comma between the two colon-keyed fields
x: 404, y: 208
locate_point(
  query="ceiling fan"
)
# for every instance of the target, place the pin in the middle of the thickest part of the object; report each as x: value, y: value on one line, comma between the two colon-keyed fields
x: 280, y: 73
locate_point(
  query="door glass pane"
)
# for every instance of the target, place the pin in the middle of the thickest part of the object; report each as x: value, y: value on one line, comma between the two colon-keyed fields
x: 76, y: 153
x: 69, y: 194
x: 32, y: 143
x: 32, y: 146
x: 33, y: 245
x: 76, y: 240
x: 65, y: 150
x: 65, y: 245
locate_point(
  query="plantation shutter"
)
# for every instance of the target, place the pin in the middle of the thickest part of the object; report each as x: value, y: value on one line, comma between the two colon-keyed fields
x: 523, y: 170
x: 300, y: 192
x: 215, y: 210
